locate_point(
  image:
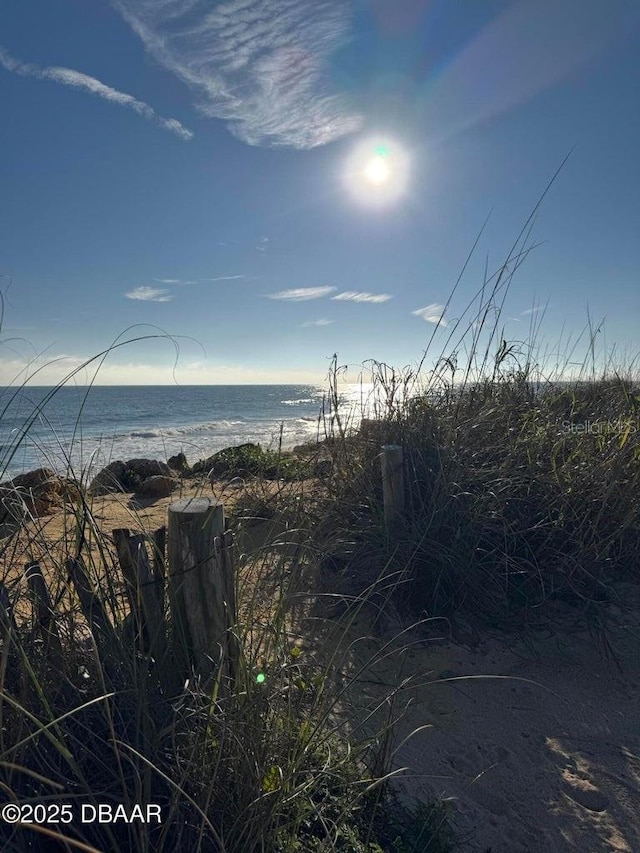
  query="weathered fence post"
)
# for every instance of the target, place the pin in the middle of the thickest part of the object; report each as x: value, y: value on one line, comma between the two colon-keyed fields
x: 145, y: 591
x: 392, y: 460
x: 201, y: 586
x: 159, y: 546
x: 45, y: 615
x: 9, y: 660
x: 104, y: 635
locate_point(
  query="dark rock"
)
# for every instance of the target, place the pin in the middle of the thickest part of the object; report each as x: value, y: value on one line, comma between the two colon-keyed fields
x: 144, y: 468
x: 127, y: 476
x: 110, y: 479
x: 39, y: 492
x: 158, y: 486
x: 178, y: 462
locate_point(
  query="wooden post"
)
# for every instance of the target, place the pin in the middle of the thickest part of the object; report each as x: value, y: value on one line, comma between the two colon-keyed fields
x: 93, y: 610
x: 392, y: 485
x: 11, y: 672
x: 199, y: 592
x: 159, y: 546
x: 45, y: 616
x: 144, y: 595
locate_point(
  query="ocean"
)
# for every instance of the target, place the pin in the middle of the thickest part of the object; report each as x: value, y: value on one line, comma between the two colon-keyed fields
x: 77, y: 430
x: 89, y: 427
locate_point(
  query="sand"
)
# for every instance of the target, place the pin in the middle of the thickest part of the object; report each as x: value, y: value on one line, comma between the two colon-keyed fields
x: 533, y: 738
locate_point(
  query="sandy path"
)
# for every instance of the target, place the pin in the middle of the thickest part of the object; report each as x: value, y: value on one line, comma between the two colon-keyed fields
x: 541, y: 767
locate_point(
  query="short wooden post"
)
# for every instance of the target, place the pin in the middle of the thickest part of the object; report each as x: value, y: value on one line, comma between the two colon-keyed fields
x: 11, y: 672
x: 93, y: 610
x: 159, y: 546
x: 199, y: 592
x: 145, y: 597
x: 392, y: 460
x: 45, y: 615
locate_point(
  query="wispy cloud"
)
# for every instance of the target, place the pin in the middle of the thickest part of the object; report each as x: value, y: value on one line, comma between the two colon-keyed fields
x: 534, y: 310
x: 262, y: 244
x: 182, y: 281
x: 353, y: 296
x: 149, y: 294
x: 259, y: 65
x: 317, y: 323
x: 432, y: 314
x: 301, y: 294
x: 78, y: 80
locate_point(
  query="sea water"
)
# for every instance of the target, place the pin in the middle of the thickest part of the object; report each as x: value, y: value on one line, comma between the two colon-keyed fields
x: 77, y: 430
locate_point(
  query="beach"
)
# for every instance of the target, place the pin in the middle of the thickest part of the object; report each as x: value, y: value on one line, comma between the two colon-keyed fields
x: 528, y: 737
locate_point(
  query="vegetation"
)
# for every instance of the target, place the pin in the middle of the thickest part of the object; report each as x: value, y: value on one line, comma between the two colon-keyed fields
x: 252, y: 460
x: 277, y: 762
x: 521, y: 492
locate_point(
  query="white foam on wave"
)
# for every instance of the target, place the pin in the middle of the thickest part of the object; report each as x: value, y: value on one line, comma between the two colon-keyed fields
x: 86, y: 456
x: 166, y: 432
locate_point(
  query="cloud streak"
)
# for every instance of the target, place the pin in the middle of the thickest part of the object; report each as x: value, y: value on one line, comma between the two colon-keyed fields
x: 317, y: 323
x: 352, y: 296
x: 223, y: 278
x: 149, y: 294
x: 432, y: 314
x: 258, y: 65
x: 301, y: 294
x: 182, y: 281
x: 85, y: 83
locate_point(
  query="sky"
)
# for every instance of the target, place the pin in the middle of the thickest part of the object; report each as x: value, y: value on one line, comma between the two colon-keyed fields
x: 248, y: 187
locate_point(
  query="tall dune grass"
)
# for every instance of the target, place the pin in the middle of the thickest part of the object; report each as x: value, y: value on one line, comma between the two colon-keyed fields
x: 276, y: 764
x: 522, y: 494
x: 522, y: 465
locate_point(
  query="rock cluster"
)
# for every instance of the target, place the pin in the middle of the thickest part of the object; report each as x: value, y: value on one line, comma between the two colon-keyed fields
x: 134, y: 476
x: 36, y: 493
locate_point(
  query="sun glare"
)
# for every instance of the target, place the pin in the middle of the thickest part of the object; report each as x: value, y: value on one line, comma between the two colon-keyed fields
x: 376, y: 172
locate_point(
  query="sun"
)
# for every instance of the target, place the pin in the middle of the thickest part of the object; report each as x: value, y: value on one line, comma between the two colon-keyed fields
x: 376, y: 172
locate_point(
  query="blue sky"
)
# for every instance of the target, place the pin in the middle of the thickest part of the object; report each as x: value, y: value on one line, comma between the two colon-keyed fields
x: 273, y: 181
